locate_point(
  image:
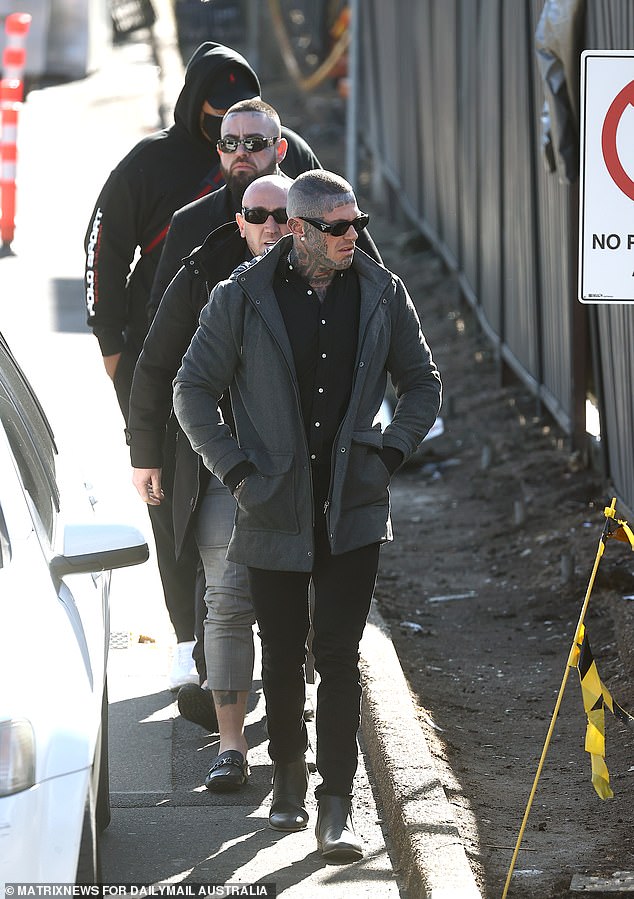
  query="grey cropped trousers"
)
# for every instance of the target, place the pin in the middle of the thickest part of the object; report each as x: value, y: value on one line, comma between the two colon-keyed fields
x: 228, y: 640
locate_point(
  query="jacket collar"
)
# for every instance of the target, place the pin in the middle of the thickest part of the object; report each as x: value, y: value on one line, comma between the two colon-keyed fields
x: 374, y: 277
x: 225, y: 239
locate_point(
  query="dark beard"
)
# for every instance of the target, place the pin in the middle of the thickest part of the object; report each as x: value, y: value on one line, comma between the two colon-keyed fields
x: 238, y: 182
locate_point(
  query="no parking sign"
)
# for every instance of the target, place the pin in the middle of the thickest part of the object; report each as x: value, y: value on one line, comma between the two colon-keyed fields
x: 606, y: 211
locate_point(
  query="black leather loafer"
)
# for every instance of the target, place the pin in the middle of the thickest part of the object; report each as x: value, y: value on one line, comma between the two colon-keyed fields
x: 290, y: 782
x: 197, y: 705
x: 230, y: 771
x: 335, y: 834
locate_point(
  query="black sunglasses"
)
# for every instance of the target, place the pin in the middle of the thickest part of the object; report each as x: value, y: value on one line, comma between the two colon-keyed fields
x: 250, y: 144
x: 257, y: 215
x: 338, y: 229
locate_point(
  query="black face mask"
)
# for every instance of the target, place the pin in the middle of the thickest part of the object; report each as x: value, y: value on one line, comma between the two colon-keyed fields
x: 211, y: 127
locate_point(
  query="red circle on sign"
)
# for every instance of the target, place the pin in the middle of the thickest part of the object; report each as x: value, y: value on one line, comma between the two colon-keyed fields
x: 623, y: 99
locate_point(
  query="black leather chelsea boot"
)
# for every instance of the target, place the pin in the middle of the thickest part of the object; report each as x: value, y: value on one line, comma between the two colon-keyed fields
x: 335, y: 834
x: 290, y: 782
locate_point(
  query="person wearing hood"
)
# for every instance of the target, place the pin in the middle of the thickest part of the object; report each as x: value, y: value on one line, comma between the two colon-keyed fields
x: 161, y: 173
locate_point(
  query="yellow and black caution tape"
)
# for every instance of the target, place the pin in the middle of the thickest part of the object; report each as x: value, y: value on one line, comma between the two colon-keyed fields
x: 596, y: 698
x: 595, y: 695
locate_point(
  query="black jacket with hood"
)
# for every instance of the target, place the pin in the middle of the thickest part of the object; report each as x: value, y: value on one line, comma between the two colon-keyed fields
x: 163, y: 172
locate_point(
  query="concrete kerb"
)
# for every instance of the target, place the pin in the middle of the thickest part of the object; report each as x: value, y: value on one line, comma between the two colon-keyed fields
x: 419, y: 817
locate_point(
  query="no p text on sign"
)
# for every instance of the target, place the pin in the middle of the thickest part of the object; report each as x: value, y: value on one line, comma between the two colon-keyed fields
x: 606, y: 195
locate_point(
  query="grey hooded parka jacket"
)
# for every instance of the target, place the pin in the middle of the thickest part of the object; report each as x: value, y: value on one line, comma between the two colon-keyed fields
x: 241, y: 344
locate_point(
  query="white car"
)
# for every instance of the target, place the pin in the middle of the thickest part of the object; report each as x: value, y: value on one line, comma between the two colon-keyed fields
x: 54, y: 635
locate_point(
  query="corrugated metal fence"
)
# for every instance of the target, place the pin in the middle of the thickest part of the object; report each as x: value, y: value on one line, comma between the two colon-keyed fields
x: 610, y: 26
x: 454, y: 98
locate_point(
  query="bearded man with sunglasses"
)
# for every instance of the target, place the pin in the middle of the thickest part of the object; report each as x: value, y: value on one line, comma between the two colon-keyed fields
x: 304, y: 339
x: 200, y: 501
x: 250, y: 144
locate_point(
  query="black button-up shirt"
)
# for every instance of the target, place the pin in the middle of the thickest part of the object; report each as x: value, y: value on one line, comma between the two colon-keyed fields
x: 323, y: 337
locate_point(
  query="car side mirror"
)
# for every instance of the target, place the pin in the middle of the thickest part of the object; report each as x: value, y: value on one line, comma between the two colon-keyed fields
x: 89, y: 548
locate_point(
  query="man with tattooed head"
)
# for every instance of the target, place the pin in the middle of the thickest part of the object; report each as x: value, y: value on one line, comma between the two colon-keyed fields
x: 304, y: 339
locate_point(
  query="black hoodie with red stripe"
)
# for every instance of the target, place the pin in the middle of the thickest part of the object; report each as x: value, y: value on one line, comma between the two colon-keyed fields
x: 162, y: 173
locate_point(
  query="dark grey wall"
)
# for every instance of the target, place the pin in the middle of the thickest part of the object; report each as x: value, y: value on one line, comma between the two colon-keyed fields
x: 456, y: 97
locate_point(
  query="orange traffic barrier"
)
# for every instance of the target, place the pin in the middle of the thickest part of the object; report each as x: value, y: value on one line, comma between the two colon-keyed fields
x: 11, y: 96
x: 9, y: 110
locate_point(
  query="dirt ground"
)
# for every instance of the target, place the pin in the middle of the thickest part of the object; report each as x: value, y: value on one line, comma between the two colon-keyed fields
x: 497, y: 526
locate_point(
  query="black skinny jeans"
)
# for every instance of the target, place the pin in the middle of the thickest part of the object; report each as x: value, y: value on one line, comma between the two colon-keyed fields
x: 343, y: 591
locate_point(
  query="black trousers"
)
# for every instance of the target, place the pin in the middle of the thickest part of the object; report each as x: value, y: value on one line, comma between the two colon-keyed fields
x: 343, y: 591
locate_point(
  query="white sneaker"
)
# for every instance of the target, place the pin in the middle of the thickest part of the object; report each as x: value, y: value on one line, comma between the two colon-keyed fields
x: 183, y: 666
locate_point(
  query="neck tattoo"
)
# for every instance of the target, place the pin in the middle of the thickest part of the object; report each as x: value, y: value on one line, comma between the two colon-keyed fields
x: 318, y: 276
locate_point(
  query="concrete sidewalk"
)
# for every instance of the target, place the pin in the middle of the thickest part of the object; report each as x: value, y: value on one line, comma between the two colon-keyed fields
x: 167, y: 827
x: 70, y: 136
